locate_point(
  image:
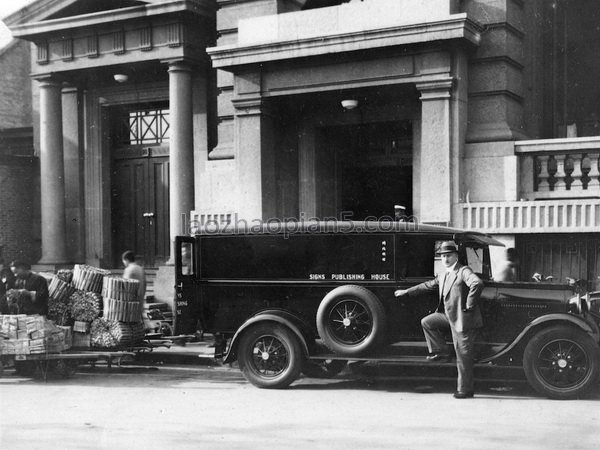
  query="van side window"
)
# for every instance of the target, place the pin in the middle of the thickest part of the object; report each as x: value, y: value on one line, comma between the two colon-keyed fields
x: 187, y: 262
x: 416, y: 256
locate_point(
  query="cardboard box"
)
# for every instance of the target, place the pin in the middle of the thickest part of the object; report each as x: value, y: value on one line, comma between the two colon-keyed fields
x: 68, y: 336
x: 22, y: 335
x: 82, y: 340
x: 81, y: 327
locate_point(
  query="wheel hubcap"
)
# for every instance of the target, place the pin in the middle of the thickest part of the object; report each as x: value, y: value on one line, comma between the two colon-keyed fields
x: 563, y: 364
x: 270, y: 357
x: 350, y: 322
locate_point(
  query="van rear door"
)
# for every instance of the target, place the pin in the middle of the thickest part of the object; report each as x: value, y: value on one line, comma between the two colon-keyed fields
x: 187, y: 296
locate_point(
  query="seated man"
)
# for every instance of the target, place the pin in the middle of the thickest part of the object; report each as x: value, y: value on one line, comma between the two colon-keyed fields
x: 33, y: 284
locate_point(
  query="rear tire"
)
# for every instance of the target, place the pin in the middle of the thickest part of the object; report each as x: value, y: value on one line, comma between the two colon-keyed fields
x: 562, y: 362
x: 270, y: 356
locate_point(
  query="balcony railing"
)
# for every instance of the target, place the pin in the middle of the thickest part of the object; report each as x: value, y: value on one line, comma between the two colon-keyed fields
x: 545, y: 216
x: 559, y: 168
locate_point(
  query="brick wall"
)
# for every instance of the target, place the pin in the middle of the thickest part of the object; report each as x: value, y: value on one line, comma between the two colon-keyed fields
x: 15, y: 85
x: 19, y: 169
x: 18, y: 211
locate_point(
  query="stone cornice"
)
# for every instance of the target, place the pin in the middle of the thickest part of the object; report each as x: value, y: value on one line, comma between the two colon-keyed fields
x: 563, y: 145
x: 37, y: 11
x: 459, y: 26
x: 495, y: 59
x: 435, y: 89
x: 506, y: 26
x: 26, y: 30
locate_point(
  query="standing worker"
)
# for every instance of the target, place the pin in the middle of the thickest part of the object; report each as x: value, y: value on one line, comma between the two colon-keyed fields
x: 458, y: 311
x: 508, y: 268
x: 134, y: 271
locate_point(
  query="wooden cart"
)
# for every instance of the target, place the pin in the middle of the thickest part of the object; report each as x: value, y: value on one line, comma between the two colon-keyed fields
x: 62, y: 364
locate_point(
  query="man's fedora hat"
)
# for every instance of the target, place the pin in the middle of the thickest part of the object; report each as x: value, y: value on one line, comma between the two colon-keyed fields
x: 447, y: 247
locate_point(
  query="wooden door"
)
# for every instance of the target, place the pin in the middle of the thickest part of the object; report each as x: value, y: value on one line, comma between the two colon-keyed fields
x: 140, y: 205
x: 560, y: 256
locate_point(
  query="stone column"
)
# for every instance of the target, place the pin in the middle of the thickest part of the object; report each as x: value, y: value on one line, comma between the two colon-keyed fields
x: 181, y: 150
x: 74, y: 180
x: 436, y: 171
x: 52, y: 175
x: 307, y: 172
x: 255, y: 141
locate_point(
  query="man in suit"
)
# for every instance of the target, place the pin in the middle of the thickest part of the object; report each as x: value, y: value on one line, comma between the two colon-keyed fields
x: 458, y: 311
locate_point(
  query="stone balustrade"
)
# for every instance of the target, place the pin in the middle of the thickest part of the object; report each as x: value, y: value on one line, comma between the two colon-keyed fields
x: 559, y: 168
x: 541, y: 216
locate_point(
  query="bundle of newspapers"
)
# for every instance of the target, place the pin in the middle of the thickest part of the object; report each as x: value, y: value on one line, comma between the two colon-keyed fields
x: 32, y: 334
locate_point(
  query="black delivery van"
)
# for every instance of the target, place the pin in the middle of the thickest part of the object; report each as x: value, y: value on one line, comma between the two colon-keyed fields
x: 309, y: 296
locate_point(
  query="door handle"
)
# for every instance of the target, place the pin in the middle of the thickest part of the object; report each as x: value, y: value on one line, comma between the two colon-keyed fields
x: 148, y: 214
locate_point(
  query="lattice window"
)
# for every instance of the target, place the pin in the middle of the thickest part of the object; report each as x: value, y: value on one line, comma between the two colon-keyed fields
x: 145, y: 127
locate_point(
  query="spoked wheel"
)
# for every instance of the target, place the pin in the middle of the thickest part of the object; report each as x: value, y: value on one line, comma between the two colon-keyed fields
x: 327, y: 368
x: 562, y: 362
x: 63, y: 368
x: 27, y: 368
x: 351, y: 320
x: 270, y: 356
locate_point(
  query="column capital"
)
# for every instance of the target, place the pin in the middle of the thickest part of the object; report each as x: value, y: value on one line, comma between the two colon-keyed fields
x: 252, y: 107
x: 435, y: 89
x: 49, y: 81
x: 180, y: 64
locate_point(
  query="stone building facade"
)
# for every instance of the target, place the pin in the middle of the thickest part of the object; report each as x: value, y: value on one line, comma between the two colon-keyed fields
x: 473, y: 113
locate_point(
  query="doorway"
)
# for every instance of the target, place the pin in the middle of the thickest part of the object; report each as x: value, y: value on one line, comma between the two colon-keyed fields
x: 372, y: 169
x: 140, y: 183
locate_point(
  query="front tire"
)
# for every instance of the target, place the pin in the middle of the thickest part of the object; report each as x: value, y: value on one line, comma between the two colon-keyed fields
x: 562, y: 362
x: 270, y: 356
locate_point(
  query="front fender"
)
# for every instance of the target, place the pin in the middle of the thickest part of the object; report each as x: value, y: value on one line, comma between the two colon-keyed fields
x: 291, y: 321
x: 556, y: 318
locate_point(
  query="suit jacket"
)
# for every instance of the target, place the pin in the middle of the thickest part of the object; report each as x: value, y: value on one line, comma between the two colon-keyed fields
x: 459, y: 292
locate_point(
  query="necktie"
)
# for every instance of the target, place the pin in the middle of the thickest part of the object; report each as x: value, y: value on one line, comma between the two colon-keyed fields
x: 443, y: 286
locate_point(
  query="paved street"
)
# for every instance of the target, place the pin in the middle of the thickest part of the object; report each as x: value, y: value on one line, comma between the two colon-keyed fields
x: 214, y: 408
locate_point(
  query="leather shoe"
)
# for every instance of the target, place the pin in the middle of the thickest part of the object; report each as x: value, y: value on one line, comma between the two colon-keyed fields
x: 459, y: 394
x: 438, y: 357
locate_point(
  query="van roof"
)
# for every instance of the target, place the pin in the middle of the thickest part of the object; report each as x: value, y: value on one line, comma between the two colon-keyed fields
x: 256, y: 227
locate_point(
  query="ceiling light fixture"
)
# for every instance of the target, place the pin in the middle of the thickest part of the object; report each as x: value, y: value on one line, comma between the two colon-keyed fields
x: 349, y: 104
